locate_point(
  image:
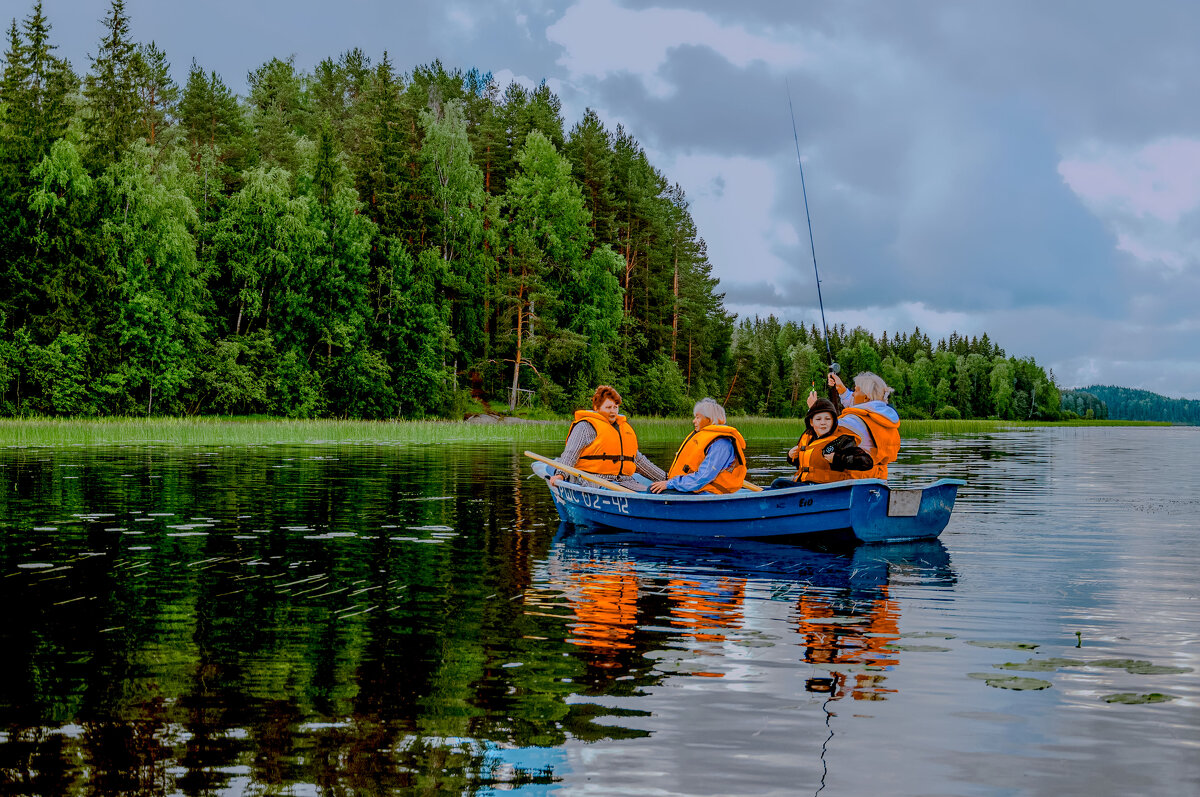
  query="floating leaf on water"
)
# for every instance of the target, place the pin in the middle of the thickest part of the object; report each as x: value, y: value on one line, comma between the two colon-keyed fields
x: 681, y: 666
x: 998, y: 644
x: 753, y: 643
x: 1133, y: 698
x: 1039, y: 665
x: 919, y: 648
x: 1139, y: 667
x: 927, y: 635
x: 1014, y: 682
x: 308, y: 727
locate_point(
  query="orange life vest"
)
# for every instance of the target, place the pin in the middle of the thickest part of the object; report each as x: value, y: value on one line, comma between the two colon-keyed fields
x: 695, y: 446
x: 814, y: 468
x: 886, y: 433
x: 613, y: 451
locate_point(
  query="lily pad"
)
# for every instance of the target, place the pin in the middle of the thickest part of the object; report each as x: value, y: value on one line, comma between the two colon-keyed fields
x: 1133, y: 698
x: 919, y: 648
x: 753, y: 643
x: 927, y: 635
x: 999, y: 644
x: 1139, y: 667
x: 1014, y: 682
x: 1039, y: 665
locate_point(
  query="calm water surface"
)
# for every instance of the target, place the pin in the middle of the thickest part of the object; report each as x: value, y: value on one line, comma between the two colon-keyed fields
x: 413, y: 620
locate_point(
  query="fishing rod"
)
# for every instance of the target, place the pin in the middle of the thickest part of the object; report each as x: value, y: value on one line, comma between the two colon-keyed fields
x: 834, y: 368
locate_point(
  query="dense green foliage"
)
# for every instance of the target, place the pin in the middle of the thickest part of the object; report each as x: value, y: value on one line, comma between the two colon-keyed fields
x: 361, y: 243
x: 352, y: 242
x: 1084, y: 405
x: 1128, y: 404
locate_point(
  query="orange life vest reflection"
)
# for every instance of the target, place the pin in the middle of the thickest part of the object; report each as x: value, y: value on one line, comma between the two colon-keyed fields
x: 861, y: 635
x: 704, y: 609
x: 605, y: 605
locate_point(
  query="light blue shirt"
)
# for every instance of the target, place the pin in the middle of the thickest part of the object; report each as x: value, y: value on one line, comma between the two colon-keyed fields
x: 859, y: 426
x: 720, y: 456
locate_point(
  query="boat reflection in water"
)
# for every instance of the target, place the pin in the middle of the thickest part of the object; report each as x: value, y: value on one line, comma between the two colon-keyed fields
x: 632, y: 599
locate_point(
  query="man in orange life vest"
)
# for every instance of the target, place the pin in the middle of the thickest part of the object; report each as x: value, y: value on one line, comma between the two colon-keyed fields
x: 712, y: 458
x: 867, y: 414
x: 602, y: 442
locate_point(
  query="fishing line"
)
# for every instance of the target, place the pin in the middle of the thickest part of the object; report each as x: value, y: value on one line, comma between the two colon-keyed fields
x: 833, y: 367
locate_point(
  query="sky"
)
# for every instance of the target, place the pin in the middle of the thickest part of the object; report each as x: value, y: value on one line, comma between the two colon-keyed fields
x: 1026, y: 169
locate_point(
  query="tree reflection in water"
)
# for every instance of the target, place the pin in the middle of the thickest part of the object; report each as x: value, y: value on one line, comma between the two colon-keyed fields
x: 362, y: 621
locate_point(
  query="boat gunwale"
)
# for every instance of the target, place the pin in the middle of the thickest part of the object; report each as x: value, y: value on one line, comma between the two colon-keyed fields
x: 743, y: 494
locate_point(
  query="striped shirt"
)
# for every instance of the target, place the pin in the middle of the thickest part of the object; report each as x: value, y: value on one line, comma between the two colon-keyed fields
x: 582, y: 436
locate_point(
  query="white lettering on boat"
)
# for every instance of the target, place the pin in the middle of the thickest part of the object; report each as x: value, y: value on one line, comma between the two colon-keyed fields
x: 616, y: 503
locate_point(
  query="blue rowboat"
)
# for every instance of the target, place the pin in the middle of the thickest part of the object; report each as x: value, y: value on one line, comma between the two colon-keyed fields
x: 867, y: 510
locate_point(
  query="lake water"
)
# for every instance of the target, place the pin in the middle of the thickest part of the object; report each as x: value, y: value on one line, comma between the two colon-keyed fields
x: 413, y: 620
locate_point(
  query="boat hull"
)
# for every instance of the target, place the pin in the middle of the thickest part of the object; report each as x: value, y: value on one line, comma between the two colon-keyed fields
x: 867, y: 509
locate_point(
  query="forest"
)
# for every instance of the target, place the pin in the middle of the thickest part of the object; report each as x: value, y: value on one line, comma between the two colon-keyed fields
x: 1129, y: 404
x: 362, y: 242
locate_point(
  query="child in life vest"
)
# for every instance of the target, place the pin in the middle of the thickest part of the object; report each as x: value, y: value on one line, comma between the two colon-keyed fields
x: 825, y: 452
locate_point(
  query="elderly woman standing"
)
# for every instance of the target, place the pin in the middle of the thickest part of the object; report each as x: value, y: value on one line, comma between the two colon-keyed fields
x: 712, y: 458
x: 867, y: 413
x: 602, y: 442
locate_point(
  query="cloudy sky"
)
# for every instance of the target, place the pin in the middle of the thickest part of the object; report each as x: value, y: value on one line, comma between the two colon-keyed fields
x: 1026, y: 169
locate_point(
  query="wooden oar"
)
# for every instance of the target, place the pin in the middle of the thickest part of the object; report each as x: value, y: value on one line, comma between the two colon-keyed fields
x: 604, y: 483
x: 581, y: 474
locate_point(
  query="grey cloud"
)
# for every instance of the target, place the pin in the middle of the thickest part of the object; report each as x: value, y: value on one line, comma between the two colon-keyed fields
x: 787, y: 296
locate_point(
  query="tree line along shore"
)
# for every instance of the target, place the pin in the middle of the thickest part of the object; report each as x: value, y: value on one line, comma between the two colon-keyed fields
x: 361, y: 242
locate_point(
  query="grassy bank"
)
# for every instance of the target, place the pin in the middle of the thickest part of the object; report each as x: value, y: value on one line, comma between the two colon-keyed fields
x: 212, y: 431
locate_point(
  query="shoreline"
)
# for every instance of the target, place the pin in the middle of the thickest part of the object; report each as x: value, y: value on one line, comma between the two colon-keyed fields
x: 235, y: 431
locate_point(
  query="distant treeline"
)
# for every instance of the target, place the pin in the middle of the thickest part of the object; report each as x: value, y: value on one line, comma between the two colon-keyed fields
x: 358, y: 242
x: 1129, y: 404
x: 776, y: 365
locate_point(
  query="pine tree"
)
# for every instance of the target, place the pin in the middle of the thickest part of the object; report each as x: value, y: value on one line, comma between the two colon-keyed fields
x: 157, y: 92
x: 589, y: 148
x: 279, y: 114
x: 111, y: 92
x: 35, y: 93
